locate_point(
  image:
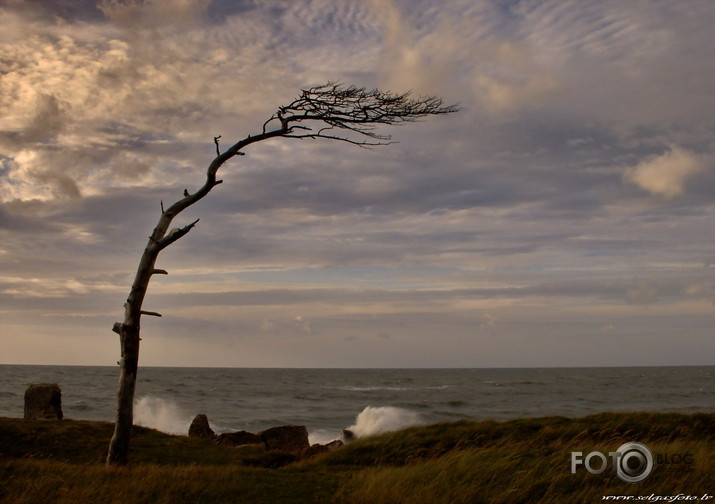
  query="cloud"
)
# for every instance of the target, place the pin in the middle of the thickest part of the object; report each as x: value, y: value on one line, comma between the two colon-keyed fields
x: 512, y: 80
x: 302, y: 325
x: 667, y: 174
x: 502, y: 95
x: 642, y: 291
x: 47, y: 121
x: 700, y: 288
x: 415, y: 57
x: 148, y: 14
x: 403, y: 61
x: 514, y: 217
x: 83, y: 97
x: 29, y: 177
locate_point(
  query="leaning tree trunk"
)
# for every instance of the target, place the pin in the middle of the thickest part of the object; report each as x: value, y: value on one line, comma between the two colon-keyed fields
x: 129, y: 335
x: 129, y: 342
x: 129, y: 330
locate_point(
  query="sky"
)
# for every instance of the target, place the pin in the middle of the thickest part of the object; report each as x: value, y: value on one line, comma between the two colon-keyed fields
x: 565, y: 216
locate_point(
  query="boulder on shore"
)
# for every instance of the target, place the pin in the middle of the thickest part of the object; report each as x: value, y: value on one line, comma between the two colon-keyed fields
x: 43, y: 401
x: 317, y: 449
x: 287, y: 438
x: 200, y: 427
x: 239, y: 438
x: 313, y: 450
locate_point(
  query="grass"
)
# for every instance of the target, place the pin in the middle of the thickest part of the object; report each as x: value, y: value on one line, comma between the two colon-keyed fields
x: 518, y: 461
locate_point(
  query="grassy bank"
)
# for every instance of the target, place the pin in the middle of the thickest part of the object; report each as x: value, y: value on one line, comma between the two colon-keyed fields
x: 462, y: 462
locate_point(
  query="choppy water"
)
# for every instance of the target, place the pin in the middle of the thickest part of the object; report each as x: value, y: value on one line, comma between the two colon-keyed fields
x: 366, y: 400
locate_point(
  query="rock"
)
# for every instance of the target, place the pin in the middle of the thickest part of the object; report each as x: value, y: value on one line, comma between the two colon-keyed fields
x: 349, y: 435
x: 43, y: 401
x: 314, y: 450
x: 238, y: 438
x: 287, y: 438
x: 200, y: 427
x: 317, y: 449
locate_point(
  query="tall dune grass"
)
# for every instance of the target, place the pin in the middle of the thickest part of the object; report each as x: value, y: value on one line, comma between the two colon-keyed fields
x: 519, y: 461
x: 518, y: 474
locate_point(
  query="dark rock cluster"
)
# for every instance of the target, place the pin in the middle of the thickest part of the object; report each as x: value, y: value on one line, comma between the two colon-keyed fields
x: 291, y: 439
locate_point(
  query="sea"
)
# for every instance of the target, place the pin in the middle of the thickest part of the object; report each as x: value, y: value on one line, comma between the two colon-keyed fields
x: 365, y: 401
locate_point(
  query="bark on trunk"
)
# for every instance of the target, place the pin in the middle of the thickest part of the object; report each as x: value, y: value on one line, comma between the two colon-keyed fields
x: 129, y: 342
x: 119, y: 445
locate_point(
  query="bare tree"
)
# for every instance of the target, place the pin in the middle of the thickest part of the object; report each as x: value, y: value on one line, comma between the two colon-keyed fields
x: 332, y: 111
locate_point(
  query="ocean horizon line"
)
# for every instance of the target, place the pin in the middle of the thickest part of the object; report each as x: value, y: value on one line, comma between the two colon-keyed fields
x: 358, y: 368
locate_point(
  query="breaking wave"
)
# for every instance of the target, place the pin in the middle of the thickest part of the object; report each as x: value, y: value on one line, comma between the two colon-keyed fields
x: 162, y: 415
x: 376, y: 420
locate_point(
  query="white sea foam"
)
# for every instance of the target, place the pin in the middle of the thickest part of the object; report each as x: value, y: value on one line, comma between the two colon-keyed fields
x: 323, y: 436
x: 161, y: 415
x: 376, y: 420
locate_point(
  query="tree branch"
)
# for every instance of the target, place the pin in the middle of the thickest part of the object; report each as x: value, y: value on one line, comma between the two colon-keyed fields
x: 356, y: 110
x: 174, y: 235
